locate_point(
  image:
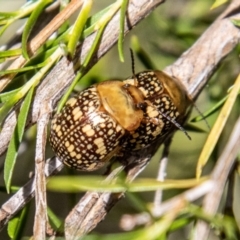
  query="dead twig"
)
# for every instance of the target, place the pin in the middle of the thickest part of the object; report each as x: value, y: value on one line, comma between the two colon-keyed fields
x: 26, y: 193
x: 219, y: 177
x: 40, y: 221
x: 161, y: 174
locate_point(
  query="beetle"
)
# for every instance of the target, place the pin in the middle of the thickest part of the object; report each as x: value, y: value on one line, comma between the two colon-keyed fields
x: 114, y: 116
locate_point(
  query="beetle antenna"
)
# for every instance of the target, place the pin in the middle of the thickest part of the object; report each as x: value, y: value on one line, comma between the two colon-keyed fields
x: 200, y: 113
x: 176, y: 124
x: 133, y: 62
x: 198, y: 110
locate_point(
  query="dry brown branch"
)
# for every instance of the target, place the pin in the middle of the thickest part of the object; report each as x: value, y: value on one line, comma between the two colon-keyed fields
x: 26, y: 193
x: 219, y: 176
x: 40, y: 221
x: 161, y: 174
x: 193, y: 68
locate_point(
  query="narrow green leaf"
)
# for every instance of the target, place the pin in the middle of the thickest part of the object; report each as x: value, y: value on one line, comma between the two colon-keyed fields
x: 10, y: 53
x: 121, y: 30
x: 54, y: 220
x: 4, y: 28
x: 180, y: 223
x: 78, y: 27
x: 218, y: 222
x: 12, y: 226
x: 24, y: 69
x: 218, y: 3
x: 22, y: 12
x: 30, y: 24
x: 236, y: 22
x: 16, y: 140
x: 42, y: 57
x: 94, y: 183
x: 61, y: 39
x: 7, y: 14
x: 90, y: 27
x: 16, y: 224
x: 7, y: 21
x: 13, y: 189
x: 7, y: 17
x: 7, y: 95
x: 216, y: 130
x: 93, y: 20
x: 211, y: 111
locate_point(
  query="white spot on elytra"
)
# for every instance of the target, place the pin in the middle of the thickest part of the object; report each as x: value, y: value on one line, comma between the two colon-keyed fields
x: 71, y: 101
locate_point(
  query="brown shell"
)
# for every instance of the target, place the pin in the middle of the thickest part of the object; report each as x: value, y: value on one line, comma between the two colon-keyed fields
x: 116, y: 116
x: 83, y: 136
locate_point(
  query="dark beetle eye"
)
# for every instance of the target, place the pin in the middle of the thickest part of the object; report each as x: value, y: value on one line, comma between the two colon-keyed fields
x: 142, y: 106
x: 116, y: 116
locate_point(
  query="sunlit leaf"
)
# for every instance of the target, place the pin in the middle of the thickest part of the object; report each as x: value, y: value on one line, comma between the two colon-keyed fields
x: 78, y: 27
x: 22, y: 12
x: 218, y: 3
x: 121, y: 30
x: 217, y: 128
x: 10, y: 53
x: 4, y: 28
x: 54, y: 220
x: 7, y: 95
x: 236, y: 22
x: 93, y: 20
x: 16, y: 140
x: 16, y: 224
x: 7, y: 14
x: 30, y: 24
x: 24, y: 69
x: 96, y: 183
x: 211, y: 111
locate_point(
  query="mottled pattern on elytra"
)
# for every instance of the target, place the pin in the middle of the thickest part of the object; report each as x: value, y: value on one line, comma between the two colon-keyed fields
x: 154, y: 123
x: 82, y: 136
x: 149, y: 84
